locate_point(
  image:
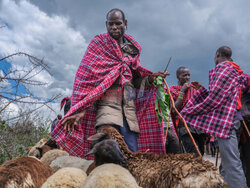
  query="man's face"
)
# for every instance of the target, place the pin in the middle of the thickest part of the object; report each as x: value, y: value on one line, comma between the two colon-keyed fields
x: 184, y: 76
x: 116, y: 25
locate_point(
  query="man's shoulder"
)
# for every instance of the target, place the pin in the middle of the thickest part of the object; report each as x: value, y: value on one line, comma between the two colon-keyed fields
x: 225, y: 66
x: 101, y: 36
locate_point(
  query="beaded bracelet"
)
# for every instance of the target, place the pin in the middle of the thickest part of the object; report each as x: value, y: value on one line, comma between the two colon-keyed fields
x: 181, y: 95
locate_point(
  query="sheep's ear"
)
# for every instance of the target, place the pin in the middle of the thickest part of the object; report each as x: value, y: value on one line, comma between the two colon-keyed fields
x: 97, y: 136
x: 92, y: 151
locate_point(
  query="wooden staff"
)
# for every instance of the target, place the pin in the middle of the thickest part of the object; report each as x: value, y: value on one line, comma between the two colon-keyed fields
x: 217, y: 156
x: 183, y: 120
x: 168, y: 64
x: 244, y: 123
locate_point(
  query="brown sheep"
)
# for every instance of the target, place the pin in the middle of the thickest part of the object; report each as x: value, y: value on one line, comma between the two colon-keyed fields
x: 42, y: 147
x: 33, y: 151
x: 162, y: 170
x: 22, y: 172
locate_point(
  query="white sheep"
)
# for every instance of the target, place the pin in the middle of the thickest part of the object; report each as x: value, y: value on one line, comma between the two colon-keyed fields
x: 66, y: 178
x: 51, y: 155
x: 110, y: 175
x: 207, y: 179
x: 70, y: 161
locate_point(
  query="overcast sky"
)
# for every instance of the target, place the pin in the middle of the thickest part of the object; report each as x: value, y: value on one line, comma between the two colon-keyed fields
x: 190, y: 31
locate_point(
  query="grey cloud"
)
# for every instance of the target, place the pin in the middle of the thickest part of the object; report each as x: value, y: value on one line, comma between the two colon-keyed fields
x: 190, y: 31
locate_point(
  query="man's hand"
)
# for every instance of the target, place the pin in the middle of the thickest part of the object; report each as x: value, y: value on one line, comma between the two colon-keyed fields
x: 153, y: 76
x: 185, y: 87
x: 196, y: 84
x: 70, y: 122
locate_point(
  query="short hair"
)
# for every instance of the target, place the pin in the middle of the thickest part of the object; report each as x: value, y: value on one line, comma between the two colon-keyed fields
x: 114, y: 10
x: 178, y: 71
x: 225, y: 51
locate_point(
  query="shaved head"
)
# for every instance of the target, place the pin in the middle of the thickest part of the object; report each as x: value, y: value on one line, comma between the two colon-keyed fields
x: 115, y: 10
x: 225, y: 51
x: 179, y: 71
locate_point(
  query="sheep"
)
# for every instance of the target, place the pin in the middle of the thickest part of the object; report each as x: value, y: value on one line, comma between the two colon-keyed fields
x: 42, y: 147
x: 51, y: 155
x: 110, y: 175
x: 33, y: 151
x: 106, y: 151
x: 66, y: 178
x: 162, y: 170
x: 24, y: 172
x: 70, y: 161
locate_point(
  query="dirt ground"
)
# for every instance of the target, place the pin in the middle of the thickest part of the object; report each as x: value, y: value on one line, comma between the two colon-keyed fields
x: 212, y: 159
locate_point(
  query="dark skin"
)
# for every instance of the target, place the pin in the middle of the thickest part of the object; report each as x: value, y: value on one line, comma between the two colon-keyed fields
x: 219, y: 58
x: 116, y: 26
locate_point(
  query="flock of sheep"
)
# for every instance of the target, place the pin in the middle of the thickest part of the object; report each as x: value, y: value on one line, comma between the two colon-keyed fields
x: 114, y: 166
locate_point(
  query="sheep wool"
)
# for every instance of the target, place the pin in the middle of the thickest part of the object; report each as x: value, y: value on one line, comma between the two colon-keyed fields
x: 111, y: 176
x: 165, y: 170
x: 24, y: 172
x: 70, y: 161
x: 66, y: 178
x: 208, y: 179
x: 51, y: 155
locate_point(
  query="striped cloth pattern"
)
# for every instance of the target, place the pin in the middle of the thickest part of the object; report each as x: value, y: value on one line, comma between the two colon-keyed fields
x: 213, y: 111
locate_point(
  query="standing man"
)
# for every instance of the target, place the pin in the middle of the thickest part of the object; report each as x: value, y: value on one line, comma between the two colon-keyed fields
x: 245, y: 138
x: 105, y: 93
x: 216, y: 112
x: 181, y: 95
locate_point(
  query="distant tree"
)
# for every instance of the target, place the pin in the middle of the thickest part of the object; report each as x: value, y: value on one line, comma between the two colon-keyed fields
x: 14, y: 79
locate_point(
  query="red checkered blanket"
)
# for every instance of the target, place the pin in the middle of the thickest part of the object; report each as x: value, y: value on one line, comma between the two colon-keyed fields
x: 213, y: 111
x: 101, y: 65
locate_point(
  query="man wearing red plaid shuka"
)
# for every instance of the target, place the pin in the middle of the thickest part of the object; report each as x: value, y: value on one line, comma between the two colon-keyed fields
x: 181, y: 94
x: 112, y: 88
x: 217, y: 112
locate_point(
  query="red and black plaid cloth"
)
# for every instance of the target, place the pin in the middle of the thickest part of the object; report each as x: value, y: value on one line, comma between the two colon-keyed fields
x: 213, y: 111
x: 101, y: 65
x: 175, y: 90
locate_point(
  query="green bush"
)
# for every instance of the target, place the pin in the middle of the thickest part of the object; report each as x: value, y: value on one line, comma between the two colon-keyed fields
x: 16, y: 139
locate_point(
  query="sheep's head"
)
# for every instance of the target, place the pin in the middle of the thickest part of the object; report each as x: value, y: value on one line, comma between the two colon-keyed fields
x: 107, y: 151
x: 109, y: 132
x: 38, y: 152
